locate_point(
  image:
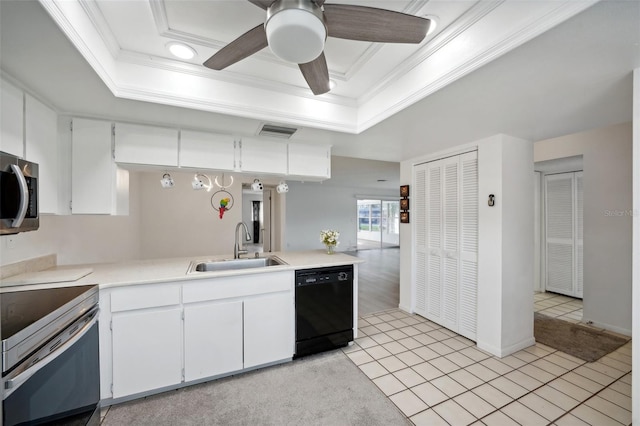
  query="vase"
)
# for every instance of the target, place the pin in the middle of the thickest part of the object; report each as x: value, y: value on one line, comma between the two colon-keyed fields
x: 330, y: 248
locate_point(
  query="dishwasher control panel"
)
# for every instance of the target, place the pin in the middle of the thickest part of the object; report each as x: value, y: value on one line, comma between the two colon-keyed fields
x: 327, y: 275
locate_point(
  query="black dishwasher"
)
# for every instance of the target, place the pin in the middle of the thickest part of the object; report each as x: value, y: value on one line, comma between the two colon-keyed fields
x: 324, y: 309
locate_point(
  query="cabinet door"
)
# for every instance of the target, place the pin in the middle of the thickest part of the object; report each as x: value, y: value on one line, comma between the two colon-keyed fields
x: 137, y: 144
x: 41, y: 135
x: 309, y: 160
x: 147, y: 350
x: 268, y: 329
x: 263, y: 156
x: 11, y: 119
x: 206, y: 150
x: 212, y: 339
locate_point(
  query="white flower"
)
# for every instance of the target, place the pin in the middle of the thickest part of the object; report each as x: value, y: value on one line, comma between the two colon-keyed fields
x: 330, y: 237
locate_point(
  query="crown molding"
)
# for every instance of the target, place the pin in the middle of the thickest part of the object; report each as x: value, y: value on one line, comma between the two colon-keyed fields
x: 563, y: 11
x: 96, y: 16
x: 459, y: 26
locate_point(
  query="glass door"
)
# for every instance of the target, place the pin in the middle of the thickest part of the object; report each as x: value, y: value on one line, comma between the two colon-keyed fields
x: 378, y: 224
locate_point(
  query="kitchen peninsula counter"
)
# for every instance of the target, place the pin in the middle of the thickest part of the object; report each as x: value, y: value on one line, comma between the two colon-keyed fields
x: 127, y: 273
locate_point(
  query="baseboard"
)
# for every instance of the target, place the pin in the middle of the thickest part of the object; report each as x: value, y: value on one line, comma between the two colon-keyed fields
x: 502, y: 352
x: 607, y: 327
x: 406, y: 309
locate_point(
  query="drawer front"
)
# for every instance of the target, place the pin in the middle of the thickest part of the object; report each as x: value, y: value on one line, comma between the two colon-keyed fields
x: 238, y: 286
x: 141, y: 297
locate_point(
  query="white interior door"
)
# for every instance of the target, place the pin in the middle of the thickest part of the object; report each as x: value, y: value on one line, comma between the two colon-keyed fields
x: 468, y: 292
x: 446, y: 241
x: 563, y: 233
x: 451, y: 242
x: 434, y: 242
x: 420, y: 238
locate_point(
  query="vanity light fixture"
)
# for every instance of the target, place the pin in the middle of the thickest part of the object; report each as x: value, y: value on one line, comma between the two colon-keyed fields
x: 181, y: 50
x: 201, y: 181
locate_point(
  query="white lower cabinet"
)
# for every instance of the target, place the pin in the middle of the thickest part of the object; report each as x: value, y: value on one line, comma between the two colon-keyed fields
x: 164, y: 334
x: 147, y: 350
x: 212, y: 339
x: 268, y: 335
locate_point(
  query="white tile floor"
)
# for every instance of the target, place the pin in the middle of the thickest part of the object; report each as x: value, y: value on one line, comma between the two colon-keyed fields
x: 436, y: 377
x: 558, y: 306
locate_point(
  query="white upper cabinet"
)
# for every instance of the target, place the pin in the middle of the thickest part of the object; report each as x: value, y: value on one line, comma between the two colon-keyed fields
x: 11, y: 119
x: 136, y: 144
x: 97, y: 185
x: 263, y: 156
x: 206, y: 150
x: 310, y: 160
x: 41, y: 133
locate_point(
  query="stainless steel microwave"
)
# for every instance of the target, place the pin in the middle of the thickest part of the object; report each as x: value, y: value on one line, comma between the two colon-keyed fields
x: 18, y: 195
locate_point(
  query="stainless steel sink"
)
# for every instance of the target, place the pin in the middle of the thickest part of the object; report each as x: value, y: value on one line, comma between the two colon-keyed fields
x: 230, y: 264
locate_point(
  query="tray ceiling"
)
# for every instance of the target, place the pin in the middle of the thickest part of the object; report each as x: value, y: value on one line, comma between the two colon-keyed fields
x: 125, y: 43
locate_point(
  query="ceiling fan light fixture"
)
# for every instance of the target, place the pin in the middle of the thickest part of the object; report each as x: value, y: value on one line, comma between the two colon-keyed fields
x: 295, y: 30
x: 181, y: 50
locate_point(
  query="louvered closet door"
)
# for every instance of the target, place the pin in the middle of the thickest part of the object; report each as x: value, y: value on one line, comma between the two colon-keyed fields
x: 451, y: 242
x: 468, y: 289
x: 560, y: 227
x: 420, y: 237
x: 446, y: 237
x: 434, y: 241
x: 578, y: 233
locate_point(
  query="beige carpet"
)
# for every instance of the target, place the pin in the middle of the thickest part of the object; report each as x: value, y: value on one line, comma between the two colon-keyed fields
x: 578, y: 340
x: 324, y: 389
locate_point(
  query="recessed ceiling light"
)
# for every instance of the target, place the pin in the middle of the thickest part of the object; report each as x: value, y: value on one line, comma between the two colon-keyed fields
x: 181, y: 50
x: 434, y: 23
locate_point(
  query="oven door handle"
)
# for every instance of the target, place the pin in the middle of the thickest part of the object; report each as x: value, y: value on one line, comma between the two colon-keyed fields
x: 24, y: 197
x: 14, y: 383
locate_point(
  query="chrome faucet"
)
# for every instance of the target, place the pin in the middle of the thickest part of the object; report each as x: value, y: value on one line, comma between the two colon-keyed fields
x: 237, y: 247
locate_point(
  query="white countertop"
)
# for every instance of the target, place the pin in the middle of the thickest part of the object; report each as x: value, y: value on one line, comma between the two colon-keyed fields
x: 175, y: 269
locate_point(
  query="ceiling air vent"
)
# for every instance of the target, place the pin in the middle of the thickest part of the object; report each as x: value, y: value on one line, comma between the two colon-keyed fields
x: 277, y: 131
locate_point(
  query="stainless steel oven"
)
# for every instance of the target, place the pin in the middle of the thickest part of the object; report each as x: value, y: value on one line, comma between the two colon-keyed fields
x: 50, y: 356
x: 18, y: 195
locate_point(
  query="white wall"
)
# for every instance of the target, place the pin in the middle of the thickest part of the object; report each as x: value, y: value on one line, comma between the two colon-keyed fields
x: 79, y: 238
x: 179, y: 221
x: 312, y: 207
x: 635, y: 392
x: 607, y: 160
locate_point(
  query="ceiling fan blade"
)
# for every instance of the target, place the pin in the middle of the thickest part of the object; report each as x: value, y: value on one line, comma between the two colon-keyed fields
x: 246, y: 45
x: 319, y: 2
x: 317, y: 75
x: 262, y: 3
x: 372, y: 24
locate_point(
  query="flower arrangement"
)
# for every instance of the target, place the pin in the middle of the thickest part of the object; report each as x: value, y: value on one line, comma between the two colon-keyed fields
x: 329, y: 238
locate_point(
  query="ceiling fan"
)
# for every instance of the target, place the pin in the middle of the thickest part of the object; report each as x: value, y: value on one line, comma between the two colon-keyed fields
x: 296, y: 31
